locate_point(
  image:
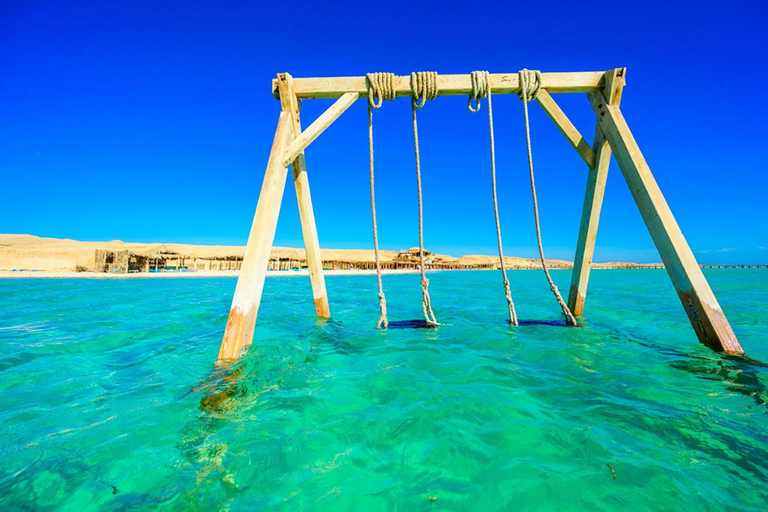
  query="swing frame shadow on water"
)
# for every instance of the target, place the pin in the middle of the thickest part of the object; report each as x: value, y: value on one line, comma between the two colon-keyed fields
x: 109, y: 398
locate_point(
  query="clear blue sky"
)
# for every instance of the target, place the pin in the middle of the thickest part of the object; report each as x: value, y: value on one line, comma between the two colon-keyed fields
x: 152, y: 121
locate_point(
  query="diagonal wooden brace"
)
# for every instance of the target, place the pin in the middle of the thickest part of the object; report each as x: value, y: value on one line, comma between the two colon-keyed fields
x: 566, y: 127
x: 700, y: 304
x: 313, y: 131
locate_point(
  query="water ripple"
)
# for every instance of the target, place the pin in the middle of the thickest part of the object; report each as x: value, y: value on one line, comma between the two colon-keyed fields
x: 109, y: 398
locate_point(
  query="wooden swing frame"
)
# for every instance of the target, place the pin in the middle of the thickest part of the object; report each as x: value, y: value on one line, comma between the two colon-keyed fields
x: 612, y: 136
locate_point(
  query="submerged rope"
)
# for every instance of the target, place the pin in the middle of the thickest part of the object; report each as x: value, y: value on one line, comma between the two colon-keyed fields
x: 481, y: 89
x: 530, y: 84
x: 380, y: 87
x: 423, y: 88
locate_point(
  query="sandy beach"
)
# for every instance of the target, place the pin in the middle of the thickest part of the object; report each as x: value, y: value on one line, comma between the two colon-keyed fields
x: 29, y: 256
x: 54, y: 274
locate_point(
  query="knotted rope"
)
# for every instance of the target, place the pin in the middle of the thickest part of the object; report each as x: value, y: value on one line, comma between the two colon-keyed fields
x: 530, y: 84
x: 481, y: 89
x: 381, y: 86
x: 423, y: 88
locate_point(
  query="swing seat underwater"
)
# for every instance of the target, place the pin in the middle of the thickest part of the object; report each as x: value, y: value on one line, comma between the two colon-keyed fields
x: 424, y: 87
x: 411, y: 324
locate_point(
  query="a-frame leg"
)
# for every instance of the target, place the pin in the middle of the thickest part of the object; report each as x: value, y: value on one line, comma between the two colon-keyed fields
x: 700, y: 304
x: 593, y: 201
x: 307, y: 215
x: 250, y: 285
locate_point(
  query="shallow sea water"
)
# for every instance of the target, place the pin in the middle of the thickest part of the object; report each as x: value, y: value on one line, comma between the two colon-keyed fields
x: 109, y: 399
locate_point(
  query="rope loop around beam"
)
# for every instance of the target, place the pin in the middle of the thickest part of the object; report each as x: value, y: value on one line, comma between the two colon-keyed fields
x: 381, y: 86
x: 480, y: 89
x: 530, y: 84
x: 423, y: 87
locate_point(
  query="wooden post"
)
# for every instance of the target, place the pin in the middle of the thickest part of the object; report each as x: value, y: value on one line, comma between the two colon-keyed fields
x: 699, y: 302
x: 291, y: 106
x: 250, y: 285
x: 593, y: 200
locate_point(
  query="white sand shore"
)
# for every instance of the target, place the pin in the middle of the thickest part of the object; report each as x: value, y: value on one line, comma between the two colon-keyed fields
x: 28, y: 256
x: 54, y: 274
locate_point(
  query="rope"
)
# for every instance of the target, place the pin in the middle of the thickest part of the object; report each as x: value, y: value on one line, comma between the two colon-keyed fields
x: 423, y: 88
x: 381, y: 86
x: 481, y: 89
x: 530, y: 84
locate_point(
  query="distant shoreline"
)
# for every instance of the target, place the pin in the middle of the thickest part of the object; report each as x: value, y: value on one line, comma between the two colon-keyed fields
x: 29, y: 253
x: 60, y: 274
x: 28, y: 256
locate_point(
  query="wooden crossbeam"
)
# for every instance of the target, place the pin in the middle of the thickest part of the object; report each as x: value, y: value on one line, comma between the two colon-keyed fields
x: 314, y: 130
x: 704, y: 312
x: 448, y: 85
x: 566, y: 127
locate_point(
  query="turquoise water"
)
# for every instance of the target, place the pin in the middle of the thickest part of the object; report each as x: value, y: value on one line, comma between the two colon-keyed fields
x: 108, y: 399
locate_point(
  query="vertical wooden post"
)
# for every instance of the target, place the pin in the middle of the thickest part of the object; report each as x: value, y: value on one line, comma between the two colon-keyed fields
x: 291, y: 105
x: 700, y: 304
x: 250, y: 285
x: 593, y: 200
